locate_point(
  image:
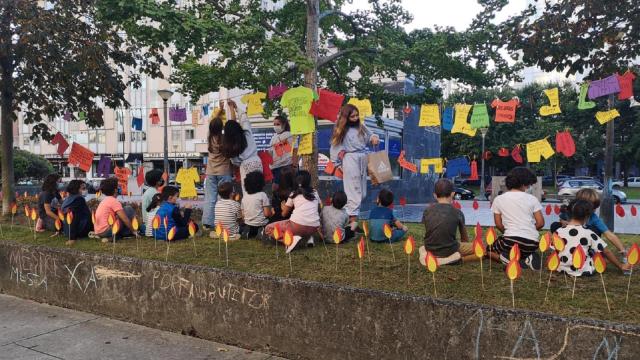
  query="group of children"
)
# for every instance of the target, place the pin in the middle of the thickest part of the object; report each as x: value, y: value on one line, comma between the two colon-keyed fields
x: 518, y: 216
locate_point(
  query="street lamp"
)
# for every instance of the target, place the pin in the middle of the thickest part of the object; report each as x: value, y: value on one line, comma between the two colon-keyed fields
x: 483, y: 132
x: 165, y: 94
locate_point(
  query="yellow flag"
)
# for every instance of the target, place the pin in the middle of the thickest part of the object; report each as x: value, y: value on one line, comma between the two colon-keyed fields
x: 429, y: 115
x: 460, y: 124
x: 554, y: 103
x: 604, y: 117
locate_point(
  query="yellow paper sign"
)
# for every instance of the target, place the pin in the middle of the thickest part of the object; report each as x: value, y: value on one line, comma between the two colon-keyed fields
x: 426, y: 163
x: 539, y: 148
x: 554, y: 103
x: 604, y: 117
x: 429, y: 115
x: 306, y: 144
x: 460, y: 124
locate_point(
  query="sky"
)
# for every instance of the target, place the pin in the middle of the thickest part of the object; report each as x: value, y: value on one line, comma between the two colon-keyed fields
x: 456, y: 13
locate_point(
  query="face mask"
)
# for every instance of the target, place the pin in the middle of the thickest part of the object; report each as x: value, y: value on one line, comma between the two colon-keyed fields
x: 279, y: 129
x: 353, y: 123
x: 84, y: 192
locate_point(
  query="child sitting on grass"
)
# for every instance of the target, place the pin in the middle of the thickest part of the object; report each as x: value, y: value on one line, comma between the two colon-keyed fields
x: 335, y: 216
x: 151, y: 211
x: 227, y: 212
x: 110, y: 205
x: 304, y: 206
x: 575, y: 234
x: 381, y: 215
x: 75, y: 202
x: 169, y: 209
x: 441, y: 223
x: 518, y: 215
x: 256, y: 207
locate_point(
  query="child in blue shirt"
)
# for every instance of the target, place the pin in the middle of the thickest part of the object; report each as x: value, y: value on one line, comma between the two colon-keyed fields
x: 381, y: 215
x: 169, y: 209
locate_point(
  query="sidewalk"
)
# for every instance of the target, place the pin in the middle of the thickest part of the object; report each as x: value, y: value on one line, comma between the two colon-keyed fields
x: 30, y: 330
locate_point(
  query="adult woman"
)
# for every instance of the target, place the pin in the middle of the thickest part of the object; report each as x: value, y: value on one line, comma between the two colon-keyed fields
x: 218, y: 168
x: 48, y: 201
x: 348, y: 149
x: 239, y: 146
x: 280, y: 149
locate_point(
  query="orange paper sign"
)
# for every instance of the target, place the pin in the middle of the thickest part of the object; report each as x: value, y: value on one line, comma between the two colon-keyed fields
x: 81, y: 157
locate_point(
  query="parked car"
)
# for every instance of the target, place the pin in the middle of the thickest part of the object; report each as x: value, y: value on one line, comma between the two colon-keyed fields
x: 548, y: 180
x: 468, y: 182
x: 463, y: 194
x: 569, y: 189
x: 489, y: 190
x: 633, y: 182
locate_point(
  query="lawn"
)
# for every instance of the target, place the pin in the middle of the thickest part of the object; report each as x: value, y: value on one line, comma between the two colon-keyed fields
x: 461, y: 282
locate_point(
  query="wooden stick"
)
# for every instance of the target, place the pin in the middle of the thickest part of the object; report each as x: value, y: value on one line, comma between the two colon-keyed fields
x: 392, y: 252
x: 11, y: 222
x: 573, y: 292
x: 195, y: 252
x: 155, y: 240
x: 360, y: 272
x: 628, y: 285
x: 548, y: 283
x: 114, y: 243
x: 166, y: 258
x: 490, y: 259
x: 137, y: 244
x: 226, y: 251
x: 435, y: 292
x: 408, y: 268
x: 337, y: 257
x: 290, y: 266
x: 324, y: 243
x: 513, y: 297
x: 605, y: 292
x: 482, y: 275
x: 541, y: 262
x: 276, y: 248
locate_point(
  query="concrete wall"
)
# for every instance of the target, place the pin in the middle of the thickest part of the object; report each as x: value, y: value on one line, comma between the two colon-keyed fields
x: 299, y: 319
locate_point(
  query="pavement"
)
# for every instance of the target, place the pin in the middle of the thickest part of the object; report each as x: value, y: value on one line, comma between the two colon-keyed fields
x: 31, y: 330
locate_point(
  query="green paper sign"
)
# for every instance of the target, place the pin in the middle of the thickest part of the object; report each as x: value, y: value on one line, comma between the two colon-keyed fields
x: 479, y: 117
x: 583, y: 104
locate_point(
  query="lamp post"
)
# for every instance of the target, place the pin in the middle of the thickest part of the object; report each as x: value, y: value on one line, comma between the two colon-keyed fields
x: 483, y: 132
x: 165, y: 94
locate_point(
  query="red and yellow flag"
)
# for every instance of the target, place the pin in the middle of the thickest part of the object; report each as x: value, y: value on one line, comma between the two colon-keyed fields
x: 478, y: 231
x: 387, y: 231
x: 58, y: 224
x: 365, y: 228
x: 192, y: 228
x: 155, y: 223
x: 491, y: 236
x: 14, y: 208
x: 558, y: 243
x: 219, y: 229
x: 69, y: 217
x: 431, y: 262
x: 633, y: 255
x: 225, y: 235
x: 134, y: 223
x: 288, y: 238
x: 111, y: 220
x: 60, y: 215
x: 34, y: 214
x: 361, y: 247
x: 338, y: 236
x: 513, y: 269
x: 409, y: 245
x: 514, y: 253
x: 115, y: 228
x: 276, y: 232
x: 579, y: 257
x: 172, y: 234
x: 165, y: 222
x: 478, y: 248
x: 599, y: 263
x: 545, y: 242
x: 553, y: 261
x: 27, y: 211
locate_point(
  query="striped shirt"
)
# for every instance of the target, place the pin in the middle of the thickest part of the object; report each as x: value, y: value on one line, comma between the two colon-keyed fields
x: 503, y: 244
x: 227, y: 213
x: 148, y: 222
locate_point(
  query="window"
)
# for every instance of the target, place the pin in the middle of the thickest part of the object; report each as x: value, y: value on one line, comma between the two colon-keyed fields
x: 176, y: 136
x: 121, y: 137
x: 26, y: 141
x: 189, y: 134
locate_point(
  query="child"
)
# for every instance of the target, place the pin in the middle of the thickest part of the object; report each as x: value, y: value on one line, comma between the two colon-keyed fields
x: 48, y: 202
x: 441, y: 223
x: 349, y: 150
x: 227, y: 211
x: 218, y: 168
x: 518, y: 215
x: 169, y: 209
x: 280, y: 143
x: 304, y: 206
x: 575, y: 234
x: 111, y: 206
x: 280, y: 196
x: 594, y: 223
x: 256, y: 207
x: 154, y: 179
x: 335, y: 216
x: 151, y: 211
x: 75, y: 202
x: 381, y: 215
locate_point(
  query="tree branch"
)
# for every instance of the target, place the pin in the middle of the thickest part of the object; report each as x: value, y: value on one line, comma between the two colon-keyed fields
x: 327, y: 59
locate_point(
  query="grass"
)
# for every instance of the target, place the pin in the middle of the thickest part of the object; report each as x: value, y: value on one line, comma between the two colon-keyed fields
x: 632, y: 193
x: 381, y: 272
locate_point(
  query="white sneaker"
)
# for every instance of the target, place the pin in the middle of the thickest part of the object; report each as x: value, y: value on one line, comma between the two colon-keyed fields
x: 296, y: 240
x: 311, y: 242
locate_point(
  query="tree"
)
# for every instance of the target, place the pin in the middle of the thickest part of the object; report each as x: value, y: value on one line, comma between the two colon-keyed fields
x: 29, y: 165
x: 57, y: 57
x: 255, y: 47
x: 575, y: 36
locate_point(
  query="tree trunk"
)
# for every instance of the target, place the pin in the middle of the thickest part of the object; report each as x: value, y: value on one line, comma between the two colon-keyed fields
x: 310, y: 162
x: 6, y: 110
x: 606, y: 207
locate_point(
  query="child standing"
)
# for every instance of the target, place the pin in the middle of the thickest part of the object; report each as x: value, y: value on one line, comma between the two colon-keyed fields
x: 575, y: 234
x: 169, y: 209
x: 441, y: 223
x: 349, y: 150
x: 304, y: 206
x: 256, y: 207
x: 151, y: 211
x: 279, y: 147
x: 381, y: 215
x: 228, y: 212
x: 335, y: 216
x: 518, y: 214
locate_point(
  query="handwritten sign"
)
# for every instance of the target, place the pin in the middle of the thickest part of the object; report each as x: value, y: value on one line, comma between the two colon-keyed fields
x: 606, y: 86
x: 81, y: 157
x: 479, y: 116
x: 426, y: 163
x: 554, y: 103
x: 429, y: 115
x: 306, y: 144
x: 604, y: 117
x: 539, y: 148
x: 407, y: 164
x: 460, y: 124
x: 122, y: 174
x: 505, y: 110
x: 583, y: 104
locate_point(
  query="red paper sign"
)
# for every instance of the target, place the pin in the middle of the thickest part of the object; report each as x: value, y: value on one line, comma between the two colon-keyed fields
x: 122, y: 174
x: 62, y: 143
x: 407, y: 164
x: 327, y: 106
x: 140, y: 177
x: 81, y: 157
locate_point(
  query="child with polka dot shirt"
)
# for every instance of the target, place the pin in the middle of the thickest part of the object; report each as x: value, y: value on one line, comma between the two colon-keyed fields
x: 575, y: 234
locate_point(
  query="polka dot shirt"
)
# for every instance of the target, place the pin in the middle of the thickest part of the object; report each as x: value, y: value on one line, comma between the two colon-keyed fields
x: 573, y: 236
